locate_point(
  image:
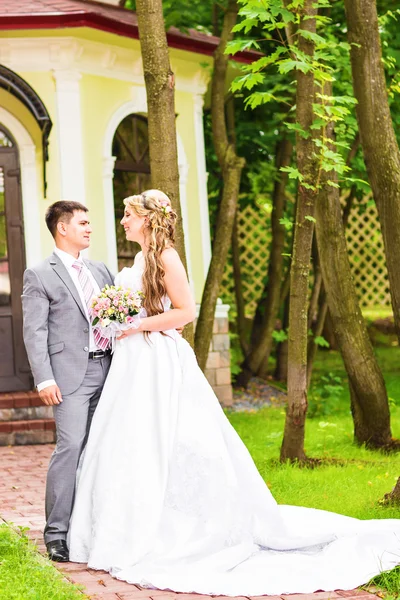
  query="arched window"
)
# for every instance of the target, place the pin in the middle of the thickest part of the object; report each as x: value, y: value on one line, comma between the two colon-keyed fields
x: 131, y: 175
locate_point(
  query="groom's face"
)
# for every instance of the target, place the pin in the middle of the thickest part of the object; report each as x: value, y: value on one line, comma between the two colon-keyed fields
x: 77, y: 232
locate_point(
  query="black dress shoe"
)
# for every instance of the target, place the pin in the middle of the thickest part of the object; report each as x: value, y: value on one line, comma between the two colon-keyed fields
x: 58, y: 550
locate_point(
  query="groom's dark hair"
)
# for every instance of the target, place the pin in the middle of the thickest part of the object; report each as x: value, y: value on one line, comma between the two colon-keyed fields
x: 63, y: 210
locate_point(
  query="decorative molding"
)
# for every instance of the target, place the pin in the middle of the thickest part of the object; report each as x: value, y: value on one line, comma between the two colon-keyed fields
x: 198, y: 103
x: 89, y: 57
x: 70, y: 135
x: 29, y: 186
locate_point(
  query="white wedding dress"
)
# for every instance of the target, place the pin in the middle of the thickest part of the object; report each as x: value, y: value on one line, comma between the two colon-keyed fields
x: 168, y: 496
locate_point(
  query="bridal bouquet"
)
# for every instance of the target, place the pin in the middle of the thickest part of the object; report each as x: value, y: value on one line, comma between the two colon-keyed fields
x: 116, y: 309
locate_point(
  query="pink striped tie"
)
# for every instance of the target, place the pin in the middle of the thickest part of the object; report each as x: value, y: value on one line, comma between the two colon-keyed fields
x: 88, y: 293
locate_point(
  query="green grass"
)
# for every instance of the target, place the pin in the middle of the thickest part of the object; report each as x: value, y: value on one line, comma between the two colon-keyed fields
x: 351, y: 481
x: 25, y: 575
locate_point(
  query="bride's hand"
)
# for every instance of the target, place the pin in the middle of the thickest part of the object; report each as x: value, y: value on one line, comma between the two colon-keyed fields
x: 127, y: 333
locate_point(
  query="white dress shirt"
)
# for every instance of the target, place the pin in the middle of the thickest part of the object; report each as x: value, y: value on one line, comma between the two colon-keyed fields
x: 68, y: 260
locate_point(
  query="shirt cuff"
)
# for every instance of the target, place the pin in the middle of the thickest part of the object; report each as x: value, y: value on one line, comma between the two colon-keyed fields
x: 45, y: 384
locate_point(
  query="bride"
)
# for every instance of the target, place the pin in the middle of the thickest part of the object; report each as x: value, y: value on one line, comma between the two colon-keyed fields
x: 168, y: 496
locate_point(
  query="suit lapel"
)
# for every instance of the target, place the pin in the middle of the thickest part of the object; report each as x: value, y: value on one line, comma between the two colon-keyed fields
x: 65, y: 277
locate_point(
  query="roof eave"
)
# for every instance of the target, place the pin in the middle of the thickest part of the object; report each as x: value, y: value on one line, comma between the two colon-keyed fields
x: 175, y: 38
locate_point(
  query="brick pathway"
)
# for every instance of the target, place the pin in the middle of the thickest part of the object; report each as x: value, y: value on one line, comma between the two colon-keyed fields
x: 22, y: 482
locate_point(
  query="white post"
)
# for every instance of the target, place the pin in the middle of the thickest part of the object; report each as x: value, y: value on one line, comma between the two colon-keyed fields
x: 70, y: 135
x: 202, y: 179
x: 109, y: 214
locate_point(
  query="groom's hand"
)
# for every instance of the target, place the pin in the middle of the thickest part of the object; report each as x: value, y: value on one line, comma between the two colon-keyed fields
x: 51, y: 395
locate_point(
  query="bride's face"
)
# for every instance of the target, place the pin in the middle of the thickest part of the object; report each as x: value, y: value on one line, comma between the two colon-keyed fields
x: 133, y: 225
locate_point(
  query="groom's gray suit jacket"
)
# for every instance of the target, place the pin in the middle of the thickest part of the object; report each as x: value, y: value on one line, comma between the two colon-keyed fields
x: 56, y: 329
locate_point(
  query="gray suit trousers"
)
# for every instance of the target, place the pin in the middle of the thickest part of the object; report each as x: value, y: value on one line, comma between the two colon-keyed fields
x: 73, y: 418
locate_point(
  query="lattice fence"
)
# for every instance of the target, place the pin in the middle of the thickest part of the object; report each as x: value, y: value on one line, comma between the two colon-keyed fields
x: 365, y: 247
x: 367, y: 256
x: 254, y: 227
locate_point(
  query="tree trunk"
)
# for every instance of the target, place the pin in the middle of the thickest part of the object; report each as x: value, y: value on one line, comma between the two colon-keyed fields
x: 237, y: 271
x: 293, y: 437
x: 160, y: 91
x: 237, y: 279
x: 369, y: 399
x: 317, y: 286
x: 231, y: 166
x: 378, y: 140
x: 317, y: 329
x: 394, y: 496
x: 265, y: 325
x: 281, y: 368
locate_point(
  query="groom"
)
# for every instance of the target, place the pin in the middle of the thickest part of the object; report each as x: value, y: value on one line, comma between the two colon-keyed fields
x: 69, y: 360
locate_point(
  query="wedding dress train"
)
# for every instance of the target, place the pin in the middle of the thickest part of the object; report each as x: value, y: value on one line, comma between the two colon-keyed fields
x: 168, y: 496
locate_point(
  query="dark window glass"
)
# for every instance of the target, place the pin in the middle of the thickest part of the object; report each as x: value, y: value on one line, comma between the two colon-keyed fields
x: 131, y: 176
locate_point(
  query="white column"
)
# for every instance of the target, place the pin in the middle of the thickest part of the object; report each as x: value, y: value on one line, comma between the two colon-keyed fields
x: 202, y: 179
x: 70, y: 135
x: 30, y: 204
x: 183, y: 175
x: 109, y: 214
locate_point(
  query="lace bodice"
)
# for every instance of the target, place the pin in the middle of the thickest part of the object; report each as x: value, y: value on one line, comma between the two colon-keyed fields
x: 132, y: 277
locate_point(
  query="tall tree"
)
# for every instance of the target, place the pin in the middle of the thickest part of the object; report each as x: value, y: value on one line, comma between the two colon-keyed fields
x: 231, y: 167
x: 369, y: 400
x: 160, y: 91
x: 293, y: 439
x: 378, y: 140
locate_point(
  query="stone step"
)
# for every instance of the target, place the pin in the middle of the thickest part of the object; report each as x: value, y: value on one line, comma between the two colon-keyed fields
x: 22, y: 406
x: 29, y: 431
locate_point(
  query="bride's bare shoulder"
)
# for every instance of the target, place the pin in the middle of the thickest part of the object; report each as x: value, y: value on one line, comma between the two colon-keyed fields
x: 169, y: 254
x: 170, y: 258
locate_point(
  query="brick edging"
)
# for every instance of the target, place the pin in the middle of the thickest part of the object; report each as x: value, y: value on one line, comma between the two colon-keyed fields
x: 20, y: 400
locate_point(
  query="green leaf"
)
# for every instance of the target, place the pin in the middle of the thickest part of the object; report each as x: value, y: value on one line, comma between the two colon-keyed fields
x: 321, y: 341
x: 247, y: 81
x: 333, y: 184
x: 289, y: 65
x: 95, y: 321
x: 298, y: 129
x: 287, y: 223
x: 279, y: 336
x: 313, y: 37
x: 264, y: 61
x: 293, y: 173
x: 240, y: 45
x: 246, y: 24
x: 258, y: 98
x: 308, y: 186
x: 310, y: 218
x: 318, y: 123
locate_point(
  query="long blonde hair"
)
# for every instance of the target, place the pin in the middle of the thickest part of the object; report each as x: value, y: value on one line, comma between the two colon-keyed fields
x: 159, y: 235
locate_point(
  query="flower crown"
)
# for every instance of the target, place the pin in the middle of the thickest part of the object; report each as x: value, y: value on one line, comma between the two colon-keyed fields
x: 165, y: 207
